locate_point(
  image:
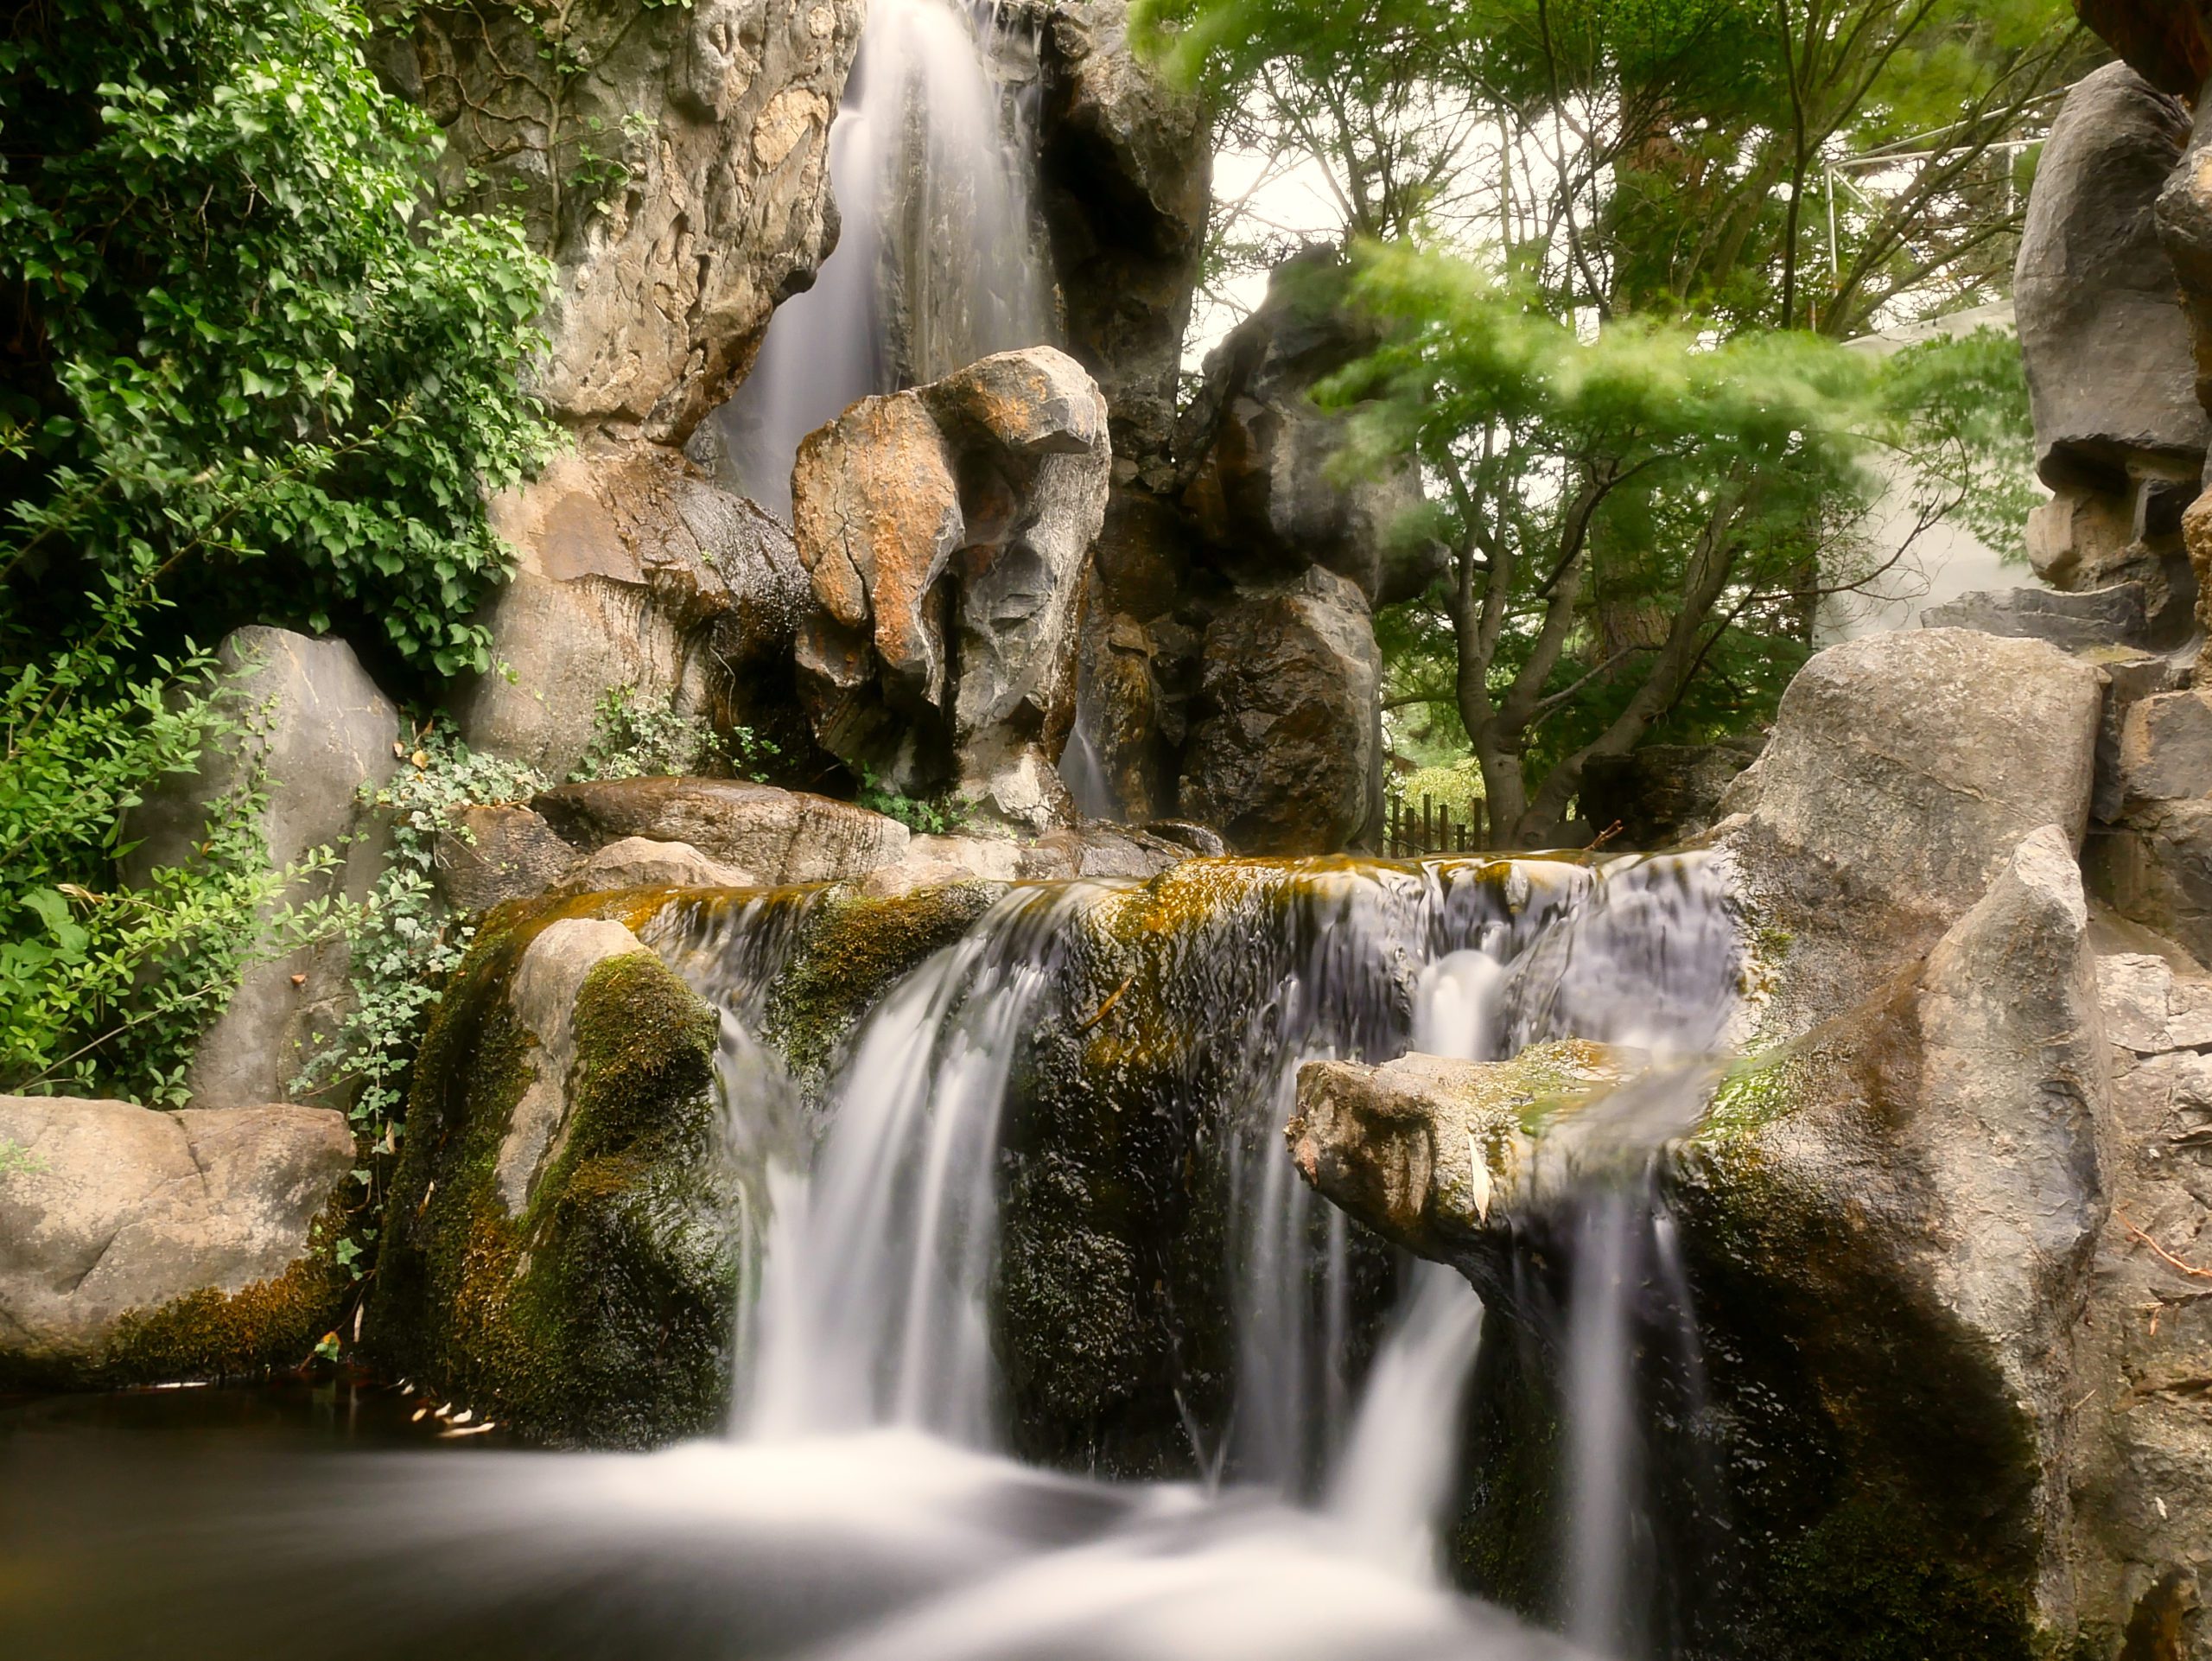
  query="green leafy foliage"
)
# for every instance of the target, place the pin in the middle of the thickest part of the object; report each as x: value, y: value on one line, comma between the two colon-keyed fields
x: 930, y: 816
x: 103, y: 988
x: 250, y: 377
x: 251, y: 366
x: 632, y: 738
x: 1613, y: 244
x: 404, y: 941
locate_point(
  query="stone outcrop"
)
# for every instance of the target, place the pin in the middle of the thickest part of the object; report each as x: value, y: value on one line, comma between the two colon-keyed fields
x: 137, y: 1246
x: 1125, y: 168
x: 1259, y: 455
x: 944, y: 530
x: 1902, y: 771
x: 642, y: 862
x: 777, y: 836
x: 635, y: 572
x: 1249, y: 512
x: 2071, y: 620
x: 498, y: 852
x: 563, y: 1245
x: 2120, y: 434
x: 313, y: 732
x: 673, y: 161
x: 1285, y: 753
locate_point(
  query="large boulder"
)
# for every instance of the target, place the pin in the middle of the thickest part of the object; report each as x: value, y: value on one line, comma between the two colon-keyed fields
x: 2146, y: 1450
x: 944, y: 531
x: 1903, y: 770
x: 1285, y: 752
x: 312, y: 733
x: 565, y: 1234
x: 673, y: 161
x: 1887, y: 1228
x: 777, y: 835
x: 636, y: 575
x: 137, y: 1246
x: 2101, y: 327
x: 1124, y: 167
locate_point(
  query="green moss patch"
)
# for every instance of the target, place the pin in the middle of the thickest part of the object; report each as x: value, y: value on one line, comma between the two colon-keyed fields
x: 603, y: 1314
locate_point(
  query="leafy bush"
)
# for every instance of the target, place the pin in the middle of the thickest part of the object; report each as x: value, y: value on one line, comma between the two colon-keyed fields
x: 632, y: 739
x: 250, y: 377
x: 250, y: 366
x: 102, y: 988
x: 937, y: 816
x: 404, y: 942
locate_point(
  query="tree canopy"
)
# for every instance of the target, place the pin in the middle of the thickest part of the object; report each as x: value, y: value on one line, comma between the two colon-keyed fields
x: 1618, y: 243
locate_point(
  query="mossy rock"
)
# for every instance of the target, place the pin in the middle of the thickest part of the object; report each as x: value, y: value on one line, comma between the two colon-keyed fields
x: 602, y: 1312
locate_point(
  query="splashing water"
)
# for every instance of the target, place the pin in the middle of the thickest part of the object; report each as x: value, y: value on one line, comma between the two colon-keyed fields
x: 935, y: 264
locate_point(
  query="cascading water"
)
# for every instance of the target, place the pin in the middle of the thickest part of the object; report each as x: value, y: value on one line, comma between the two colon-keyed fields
x: 850, y: 1520
x: 935, y: 264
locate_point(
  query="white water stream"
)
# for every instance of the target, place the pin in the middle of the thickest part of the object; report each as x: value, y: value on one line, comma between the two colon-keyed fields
x: 935, y: 264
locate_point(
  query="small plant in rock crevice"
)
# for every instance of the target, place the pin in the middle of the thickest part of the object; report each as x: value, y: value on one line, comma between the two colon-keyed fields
x: 939, y: 816
x: 635, y: 738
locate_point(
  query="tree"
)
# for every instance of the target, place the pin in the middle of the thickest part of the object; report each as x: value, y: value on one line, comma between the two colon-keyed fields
x: 1588, y: 223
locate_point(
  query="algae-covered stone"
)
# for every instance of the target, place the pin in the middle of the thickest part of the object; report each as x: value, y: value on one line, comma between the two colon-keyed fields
x: 1420, y: 1149
x: 565, y: 1238
x: 855, y: 945
x: 138, y: 1245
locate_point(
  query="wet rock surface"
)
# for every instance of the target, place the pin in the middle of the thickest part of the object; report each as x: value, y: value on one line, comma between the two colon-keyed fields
x: 562, y: 1241
x: 139, y: 1245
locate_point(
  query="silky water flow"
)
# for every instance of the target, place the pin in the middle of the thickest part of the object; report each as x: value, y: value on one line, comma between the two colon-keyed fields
x: 863, y: 1506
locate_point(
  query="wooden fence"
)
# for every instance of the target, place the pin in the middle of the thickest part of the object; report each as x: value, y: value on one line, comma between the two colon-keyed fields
x: 1410, y: 833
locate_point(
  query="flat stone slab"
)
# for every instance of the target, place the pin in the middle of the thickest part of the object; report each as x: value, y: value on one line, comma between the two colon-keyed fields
x: 2119, y: 615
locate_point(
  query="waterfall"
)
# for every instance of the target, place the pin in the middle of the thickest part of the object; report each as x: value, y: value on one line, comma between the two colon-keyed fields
x: 870, y: 1305
x: 873, y: 1309
x: 936, y: 263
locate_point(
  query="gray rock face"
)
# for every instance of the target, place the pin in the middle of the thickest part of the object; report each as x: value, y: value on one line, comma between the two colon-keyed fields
x: 672, y: 159
x: 2095, y: 617
x: 1891, y: 1228
x: 1285, y: 752
x: 1260, y: 452
x: 110, y: 1211
x: 1903, y: 770
x: 944, y: 531
x: 317, y: 731
x: 496, y: 853
x: 2101, y: 327
x: 779, y: 835
x: 1124, y: 165
x: 2146, y: 1452
x: 635, y: 571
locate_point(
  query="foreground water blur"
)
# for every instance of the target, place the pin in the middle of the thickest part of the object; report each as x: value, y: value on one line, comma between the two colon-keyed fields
x: 289, y: 1519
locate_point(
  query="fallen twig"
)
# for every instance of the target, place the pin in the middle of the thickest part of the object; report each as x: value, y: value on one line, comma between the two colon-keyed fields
x: 2187, y: 1269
